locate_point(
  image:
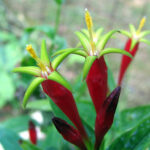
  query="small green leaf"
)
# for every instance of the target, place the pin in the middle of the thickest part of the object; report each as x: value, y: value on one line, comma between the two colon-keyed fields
x: 132, y: 29
x: 44, y: 54
x: 133, y: 43
x: 55, y: 76
x: 31, y: 88
x: 126, y: 33
x: 84, y: 41
x: 145, y: 41
x: 87, y: 65
x: 60, y: 58
x: 42, y: 104
x: 115, y: 50
x: 32, y: 70
x: 103, y: 41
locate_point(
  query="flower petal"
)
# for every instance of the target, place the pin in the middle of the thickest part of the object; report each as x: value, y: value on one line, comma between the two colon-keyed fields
x: 55, y: 76
x: 44, y: 54
x: 84, y: 41
x: 31, y: 88
x: 32, y: 70
x: 68, y: 132
x: 101, y: 44
x: 115, y: 50
x: 87, y: 65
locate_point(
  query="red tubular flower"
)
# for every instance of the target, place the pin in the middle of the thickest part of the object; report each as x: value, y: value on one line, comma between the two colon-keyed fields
x: 131, y: 46
x: 32, y: 132
x: 63, y: 98
x: 104, y: 118
x: 125, y: 61
x: 97, y: 82
x: 95, y: 69
x: 69, y: 133
x: 54, y: 85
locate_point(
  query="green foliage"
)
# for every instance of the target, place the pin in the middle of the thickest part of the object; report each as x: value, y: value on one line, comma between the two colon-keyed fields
x: 42, y: 104
x: 9, y: 139
x: 135, y: 138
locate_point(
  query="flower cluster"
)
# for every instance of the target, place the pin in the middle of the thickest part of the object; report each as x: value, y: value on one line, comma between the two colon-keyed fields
x: 92, y: 48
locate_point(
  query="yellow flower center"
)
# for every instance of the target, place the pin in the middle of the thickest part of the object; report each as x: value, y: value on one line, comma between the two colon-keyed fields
x: 89, y: 24
x: 141, y: 25
x: 45, y: 71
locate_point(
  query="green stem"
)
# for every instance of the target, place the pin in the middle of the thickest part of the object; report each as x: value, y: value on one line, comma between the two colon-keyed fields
x: 57, y: 21
x: 88, y: 144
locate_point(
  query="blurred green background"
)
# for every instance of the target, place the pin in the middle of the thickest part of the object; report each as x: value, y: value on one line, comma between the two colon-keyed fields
x: 29, y: 21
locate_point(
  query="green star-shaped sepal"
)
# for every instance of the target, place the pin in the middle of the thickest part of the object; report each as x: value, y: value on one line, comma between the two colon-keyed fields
x: 137, y: 35
x: 45, y: 70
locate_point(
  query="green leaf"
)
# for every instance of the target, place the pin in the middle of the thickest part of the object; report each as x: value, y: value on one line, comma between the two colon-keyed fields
x: 32, y: 70
x: 7, y: 87
x: 84, y: 41
x: 44, y: 54
x: 103, y: 41
x: 16, y: 124
x: 55, y: 76
x: 126, y: 33
x: 131, y: 117
x: 9, y: 139
x: 60, y: 58
x: 145, y: 41
x: 28, y: 146
x: 87, y: 65
x: 42, y: 105
x: 47, y: 29
x: 31, y: 88
x: 132, y: 29
x: 134, y: 138
x: 133, y: 43
x: 54, y: 140
x: 115, y: 50
x: 87, y: 116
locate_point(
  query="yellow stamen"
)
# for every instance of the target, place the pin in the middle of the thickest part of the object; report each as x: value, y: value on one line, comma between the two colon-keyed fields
x: 30, y: 49
x: 89, y: 24
x: 88, y: 20
x: 142, y: 22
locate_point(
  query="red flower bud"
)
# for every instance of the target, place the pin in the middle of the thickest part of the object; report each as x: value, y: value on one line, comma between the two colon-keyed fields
x: 125, y: 62
x: 97, y: 82
x: 105, y: 116
x: 69, y: 133
x: 63, y: 98
x: 32, y: 132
